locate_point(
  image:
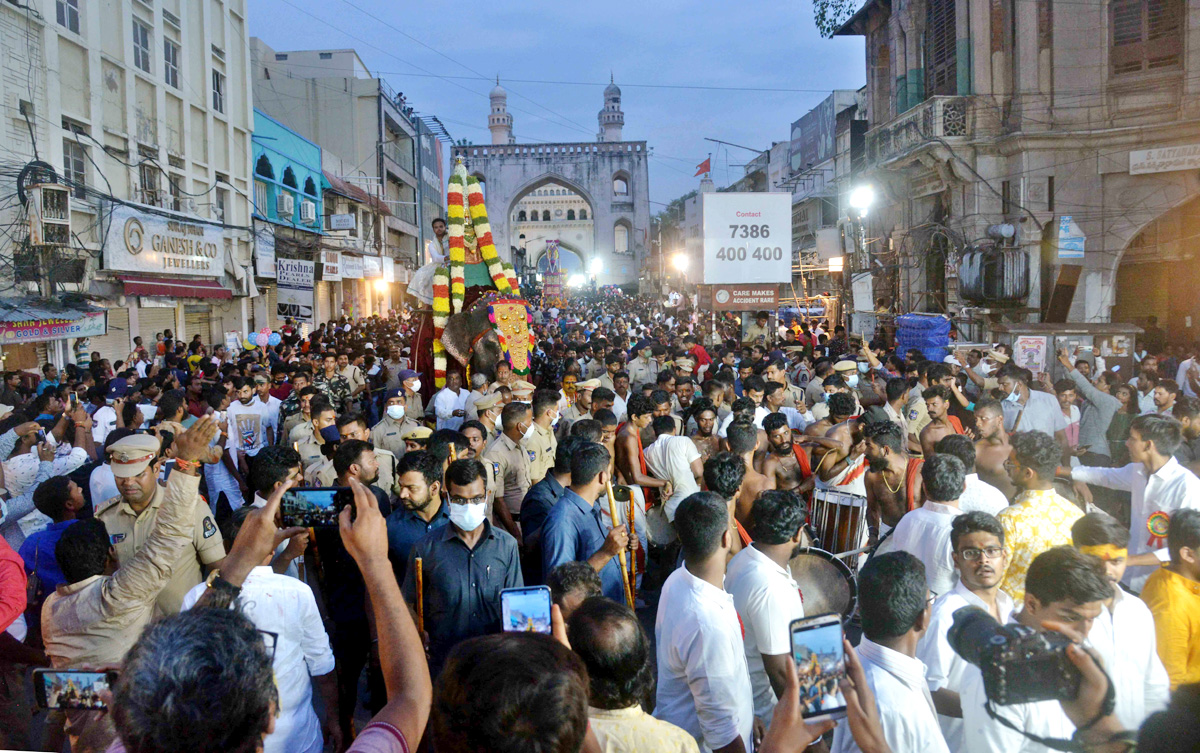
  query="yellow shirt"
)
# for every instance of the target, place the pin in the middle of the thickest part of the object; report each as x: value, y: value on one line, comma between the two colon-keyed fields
x: 632, y: 730
x: 1037, y: 520
x: 1175, y: 602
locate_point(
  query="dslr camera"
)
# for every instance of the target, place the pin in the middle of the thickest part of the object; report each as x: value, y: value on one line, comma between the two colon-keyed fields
x: 1019, y: 665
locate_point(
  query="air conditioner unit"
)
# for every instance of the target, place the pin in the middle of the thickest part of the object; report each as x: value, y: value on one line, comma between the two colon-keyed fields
x: 308, y: 212
x: 49, y: 215
x: 285, y: 205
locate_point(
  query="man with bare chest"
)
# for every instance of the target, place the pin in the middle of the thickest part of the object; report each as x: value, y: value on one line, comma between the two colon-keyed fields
x: 631, y: 463
x: 784, y: 459
x: 941, y: 423
x: 992, y: 448
x: 893, y: 478
x: 705, y: 420
x: 743, y: 442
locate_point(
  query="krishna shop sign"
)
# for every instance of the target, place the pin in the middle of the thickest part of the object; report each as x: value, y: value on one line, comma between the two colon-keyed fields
x: 73, y: 325
x: 162, y: 244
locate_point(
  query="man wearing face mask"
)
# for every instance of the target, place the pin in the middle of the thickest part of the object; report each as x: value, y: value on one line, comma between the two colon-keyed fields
x: 389, y: 432
x: 643, y: 369
x: 414, y: 406
x: 540, y: 441
x: 466, y: 564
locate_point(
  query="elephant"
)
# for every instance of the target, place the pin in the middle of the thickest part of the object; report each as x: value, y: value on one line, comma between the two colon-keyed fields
x: 472, y: 340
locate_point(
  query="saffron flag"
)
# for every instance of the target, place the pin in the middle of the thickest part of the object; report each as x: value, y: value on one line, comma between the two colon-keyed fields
x: 704, y: 167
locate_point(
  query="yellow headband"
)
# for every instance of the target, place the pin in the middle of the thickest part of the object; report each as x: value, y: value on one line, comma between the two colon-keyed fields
x: 1105, y: 551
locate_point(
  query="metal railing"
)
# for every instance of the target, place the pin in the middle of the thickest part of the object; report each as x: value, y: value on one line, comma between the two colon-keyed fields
x: 937, y: 118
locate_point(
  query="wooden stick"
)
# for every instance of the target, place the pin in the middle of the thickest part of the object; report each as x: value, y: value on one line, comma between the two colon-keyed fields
x: 632, y: 552
x: 612, y: 513
x: 420, y: 595
x: 453, y: 453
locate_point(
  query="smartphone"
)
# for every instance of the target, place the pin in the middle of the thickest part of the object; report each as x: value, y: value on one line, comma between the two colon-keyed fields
x: 525, y: 610
x: 314, y: 508
x: 821, y: 665
x: 74, y: 399
x: 71, y: 688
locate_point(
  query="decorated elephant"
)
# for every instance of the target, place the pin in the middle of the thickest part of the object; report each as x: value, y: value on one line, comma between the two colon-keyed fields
x: 493, y: 328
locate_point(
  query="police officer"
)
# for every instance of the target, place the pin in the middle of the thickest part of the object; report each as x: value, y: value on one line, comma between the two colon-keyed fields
x: 489, y: 408
x: 511, y: 459
x: 541, y: 442
x: 388, y: 434
x: 136, y: 462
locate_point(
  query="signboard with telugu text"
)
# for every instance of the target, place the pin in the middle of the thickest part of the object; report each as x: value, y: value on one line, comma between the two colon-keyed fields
x: 747, y: 238
x: 1071, y: 239
x: 1164, y: 160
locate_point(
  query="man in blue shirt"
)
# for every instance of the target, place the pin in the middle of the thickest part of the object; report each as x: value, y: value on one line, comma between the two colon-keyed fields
x: 421, y: 510
x: 49, y: 378
x: 538, y: 502
x: 573, y: 531
x: 61, y: 499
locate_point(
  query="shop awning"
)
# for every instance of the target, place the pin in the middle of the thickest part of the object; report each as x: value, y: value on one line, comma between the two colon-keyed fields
x: 137, y: 285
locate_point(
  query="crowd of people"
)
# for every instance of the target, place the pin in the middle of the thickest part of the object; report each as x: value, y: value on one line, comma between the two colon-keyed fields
x: 142, y: 533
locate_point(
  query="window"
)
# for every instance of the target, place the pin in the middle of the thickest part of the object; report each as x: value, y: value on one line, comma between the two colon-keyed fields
x: 74, y: 167
x: 218, y: 87
x: 289, y: 177
x: 174, y: 183
x: 521, y: 216
x: 941, y: 63
x: 222, y: 203
x: 1005, y: 197
x: 261, y: 204
x: 141, y: 45
x: 620, y: 187
x: 148, y: 175
x: 263, y: 167
x: 621, y: 239
x: 68, y: 14
x: 583, y: 214
x: 171, y: 63
x: 1050, y: 194
x: 545, y: 215
x: 281, y: 56
x: 570, y: 214
x: 1147, y: 35
x: 326, y: 55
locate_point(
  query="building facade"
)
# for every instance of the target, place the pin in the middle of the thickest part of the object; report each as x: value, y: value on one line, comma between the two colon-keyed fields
x: 143, y: 110
x: 610, y: 178
x: 979, y: 118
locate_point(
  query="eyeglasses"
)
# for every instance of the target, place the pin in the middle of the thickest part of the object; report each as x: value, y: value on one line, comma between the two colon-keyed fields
x: 269, y: 641
x: 472, y: 501
x: 991, y: 552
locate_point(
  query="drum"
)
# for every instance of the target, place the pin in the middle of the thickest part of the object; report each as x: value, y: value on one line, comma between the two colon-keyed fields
x: 826, y: 583
x: 839, y: 520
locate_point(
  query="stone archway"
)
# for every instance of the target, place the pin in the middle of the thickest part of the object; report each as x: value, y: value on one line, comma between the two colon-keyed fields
x: 1157, y: 274
x: 553, y: 206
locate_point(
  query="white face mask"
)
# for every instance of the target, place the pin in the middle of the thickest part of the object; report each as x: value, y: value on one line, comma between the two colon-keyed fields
x: 395, y: 412
x: 1014, y: 396
x: 528, y: 432
x: 467, y: 517
x: 416, y: 385
x: 557, y: 415
x: 852, y: 381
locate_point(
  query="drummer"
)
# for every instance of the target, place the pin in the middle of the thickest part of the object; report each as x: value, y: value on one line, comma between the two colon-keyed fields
x: 893, y: 479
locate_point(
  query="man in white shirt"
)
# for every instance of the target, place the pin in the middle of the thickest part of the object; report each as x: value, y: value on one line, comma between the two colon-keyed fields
x: 104, y: 418
x: 978, y: 495
x: 1187, y: 371
x: 703, y: 681
x: 925, y: 531
x: 766, y: 596
x: 1124, y: 633
x: 247, y: 425
x: 978, y: 542
x: 479, y: 388
x: 1029, y: 410
x: 673, y: 458
x: 1061, y: 585
x: 286, y: 607
x: 269, y: 404
x: 1158, y: 485
x: 450, y: 403
x: 894, y: 605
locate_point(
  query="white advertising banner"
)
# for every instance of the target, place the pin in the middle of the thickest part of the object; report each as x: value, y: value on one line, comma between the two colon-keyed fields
x: 352, y: 267
x: 264, y: 250
x: 295, y: 283
x: 372, y: 267
x: 139, y: 241
x: 331, y: 267
x: 389, y: 270
x: 747, y: 237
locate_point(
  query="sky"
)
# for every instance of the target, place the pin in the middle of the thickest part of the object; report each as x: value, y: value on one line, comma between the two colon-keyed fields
x: 448, y: 63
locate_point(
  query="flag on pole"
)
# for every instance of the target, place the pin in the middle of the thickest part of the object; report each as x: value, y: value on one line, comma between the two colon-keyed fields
x: 704, y: 167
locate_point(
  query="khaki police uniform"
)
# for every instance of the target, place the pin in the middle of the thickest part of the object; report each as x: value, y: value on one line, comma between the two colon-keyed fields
x: 793, y: 397
x: 541, y: 445
x: 512, y: 463
x: 354, y: 376
x: 389, y: 434
x: 320, y: 473
x: 414, y: 407
x: 606, y: 380
x: 915, y: 411
x: 128, y: 531
x: 642, y: 372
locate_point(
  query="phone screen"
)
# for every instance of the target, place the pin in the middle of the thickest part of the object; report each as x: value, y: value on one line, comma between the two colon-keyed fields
x: 314, y: 507
x: 525, y: 610
x: 70, y: 689
x: 820, y: 664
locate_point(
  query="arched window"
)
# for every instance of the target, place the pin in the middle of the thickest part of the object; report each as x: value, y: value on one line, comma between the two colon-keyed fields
x: 583, y: 214
x: 620, y: 187
x: 521, y: 216
x: 621, y: 239
x: 545, y: 215
x: 289, y: 178
x: 310, y: 187
x: 570, y: 214
x: 263, y: 168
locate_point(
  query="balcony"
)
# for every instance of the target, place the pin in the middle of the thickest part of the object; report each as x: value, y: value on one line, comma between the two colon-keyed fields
x: 941, y: 118
x: 399, y: 152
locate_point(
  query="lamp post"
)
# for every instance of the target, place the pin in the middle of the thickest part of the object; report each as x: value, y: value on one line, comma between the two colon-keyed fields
x: 595, y: 267
x: 860, y: 200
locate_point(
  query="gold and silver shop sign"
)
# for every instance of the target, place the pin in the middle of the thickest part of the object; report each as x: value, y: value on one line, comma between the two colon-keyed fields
x: 170, y: 244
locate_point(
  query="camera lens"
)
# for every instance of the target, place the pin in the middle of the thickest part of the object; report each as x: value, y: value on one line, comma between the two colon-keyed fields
x: 973, y: 631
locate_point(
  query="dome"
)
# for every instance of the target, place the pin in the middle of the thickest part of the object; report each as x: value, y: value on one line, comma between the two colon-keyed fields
x: 612, y: 90
x: 498, y: 90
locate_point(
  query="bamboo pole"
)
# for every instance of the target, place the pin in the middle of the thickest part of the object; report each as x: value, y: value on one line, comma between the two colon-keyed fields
x: 420, y: 596
x: 612, y: 512
x: 632, y: 552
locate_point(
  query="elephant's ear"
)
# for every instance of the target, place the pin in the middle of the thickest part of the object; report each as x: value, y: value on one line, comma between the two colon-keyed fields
x: 461, y: 331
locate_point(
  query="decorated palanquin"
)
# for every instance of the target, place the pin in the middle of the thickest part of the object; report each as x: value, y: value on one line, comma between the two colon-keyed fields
x: 554, y: 280
x: 475, y: 279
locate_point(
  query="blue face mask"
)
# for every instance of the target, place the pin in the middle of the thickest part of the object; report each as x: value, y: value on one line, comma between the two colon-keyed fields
x: 863, y: 368
x: 331, y: 434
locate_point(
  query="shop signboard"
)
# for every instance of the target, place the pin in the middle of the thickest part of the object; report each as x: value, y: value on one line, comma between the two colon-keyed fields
x: 164, y: 244
x: 295, y: 283
x: 68, y: 325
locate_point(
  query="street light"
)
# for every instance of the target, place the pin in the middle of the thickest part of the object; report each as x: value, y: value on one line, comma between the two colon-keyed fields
x: 680, y: 262
x: 381, y: 285
x: 861, y: 198
x: 596, y: 266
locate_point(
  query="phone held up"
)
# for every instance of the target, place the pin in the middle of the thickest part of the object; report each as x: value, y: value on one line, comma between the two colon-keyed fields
x: 71, y: 688
x: 817, y: 648
x: 315, y: 508
x: 525, y: 610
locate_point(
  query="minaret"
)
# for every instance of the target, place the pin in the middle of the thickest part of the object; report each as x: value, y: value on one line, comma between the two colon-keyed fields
x: 611, y: 118
x: 499, y: 121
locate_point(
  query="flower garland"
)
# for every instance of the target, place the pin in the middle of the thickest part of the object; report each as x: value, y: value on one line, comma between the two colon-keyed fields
x: 510, y: 272
x: 483, y: 235
x: 441, y: 315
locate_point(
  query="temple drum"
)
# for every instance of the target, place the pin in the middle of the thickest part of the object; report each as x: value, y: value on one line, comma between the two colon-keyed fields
x: 838, y: 520
x: 826, y: 583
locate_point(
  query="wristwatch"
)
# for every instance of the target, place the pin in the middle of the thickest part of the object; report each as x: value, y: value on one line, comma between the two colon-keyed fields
x: 217, y: 583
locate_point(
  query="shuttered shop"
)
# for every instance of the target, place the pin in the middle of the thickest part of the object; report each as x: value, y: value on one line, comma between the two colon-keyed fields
x: 197, y: 321
x: 152, y: 321
x: 115, y: 345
